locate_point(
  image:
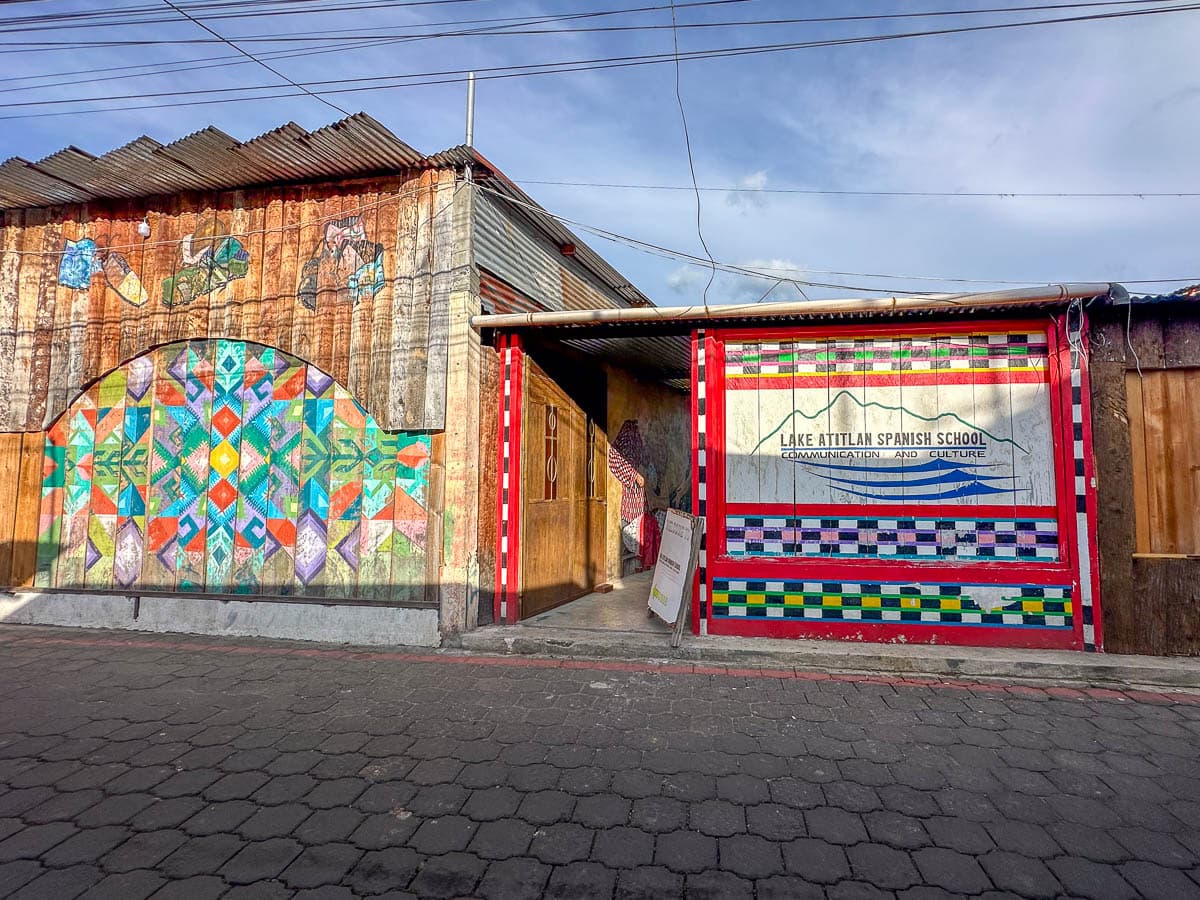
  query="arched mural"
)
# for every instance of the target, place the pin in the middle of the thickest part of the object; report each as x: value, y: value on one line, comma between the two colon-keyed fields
x: 226, y: 467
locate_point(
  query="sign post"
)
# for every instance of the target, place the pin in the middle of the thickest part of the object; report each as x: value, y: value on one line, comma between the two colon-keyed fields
x: 674, y: 571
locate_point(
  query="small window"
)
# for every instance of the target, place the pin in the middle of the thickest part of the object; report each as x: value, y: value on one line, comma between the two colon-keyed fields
x: 551, y: 473
x: 1164, y: 430
x: 591, y: 459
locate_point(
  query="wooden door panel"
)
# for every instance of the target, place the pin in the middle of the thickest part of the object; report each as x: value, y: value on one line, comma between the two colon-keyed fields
x: 562, y: 533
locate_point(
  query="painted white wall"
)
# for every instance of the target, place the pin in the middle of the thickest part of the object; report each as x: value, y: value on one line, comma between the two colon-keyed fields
x: 359, y: 625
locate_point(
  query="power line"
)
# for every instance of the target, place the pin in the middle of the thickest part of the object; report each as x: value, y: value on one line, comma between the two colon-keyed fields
x: 51, y: 24
x: 301, y: 37
x: 820, y: 192
x: 687, y: 141
x: 454, y: 76
x: 340, y: 47
x: 773, y: 274
x: 252, y: 58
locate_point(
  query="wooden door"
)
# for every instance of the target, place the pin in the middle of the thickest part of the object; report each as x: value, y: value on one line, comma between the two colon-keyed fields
x: 562, y: 523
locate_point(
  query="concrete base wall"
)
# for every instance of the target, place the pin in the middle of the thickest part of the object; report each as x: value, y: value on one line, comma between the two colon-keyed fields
x: 362, y: 625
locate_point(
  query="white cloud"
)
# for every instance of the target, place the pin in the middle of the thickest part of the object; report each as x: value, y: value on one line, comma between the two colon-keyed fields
x: 749, y: 194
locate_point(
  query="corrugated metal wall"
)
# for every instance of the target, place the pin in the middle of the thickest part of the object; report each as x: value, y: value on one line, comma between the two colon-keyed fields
x: 518, y: 255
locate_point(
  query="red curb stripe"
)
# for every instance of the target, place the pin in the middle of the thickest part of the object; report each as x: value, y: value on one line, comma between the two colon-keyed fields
x: 531, y: 662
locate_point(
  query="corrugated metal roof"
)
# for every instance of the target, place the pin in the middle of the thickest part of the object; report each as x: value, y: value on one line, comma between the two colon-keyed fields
x: 665, y: 357
x: 357, y: 146
x: 1189, y: 294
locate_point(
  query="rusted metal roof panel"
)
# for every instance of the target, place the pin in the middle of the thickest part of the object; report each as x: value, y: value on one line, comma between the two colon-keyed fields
x: 210, y: 160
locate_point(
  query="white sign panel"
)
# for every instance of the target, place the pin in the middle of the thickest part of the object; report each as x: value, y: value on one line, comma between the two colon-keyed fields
x: 960, y: 421
x: 672, y: 581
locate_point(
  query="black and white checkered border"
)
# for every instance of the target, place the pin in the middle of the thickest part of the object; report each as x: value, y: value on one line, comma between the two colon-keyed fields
x: 1083, y: 534
x: 701, y: 479
x: 505, y: 486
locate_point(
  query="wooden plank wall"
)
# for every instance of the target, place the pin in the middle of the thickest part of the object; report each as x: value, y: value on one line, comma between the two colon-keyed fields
x: 21, y: 488
x: 1164, y: 427
x: 388, y: 348
x: 1151, y: 604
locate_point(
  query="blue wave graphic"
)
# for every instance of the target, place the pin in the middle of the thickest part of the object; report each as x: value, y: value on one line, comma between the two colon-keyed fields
x: 974, y: 489
x: 934, y: 465
x: 947, y: 478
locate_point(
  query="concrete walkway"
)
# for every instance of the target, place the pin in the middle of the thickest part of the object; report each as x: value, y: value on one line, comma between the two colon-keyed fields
x: 841, y: 657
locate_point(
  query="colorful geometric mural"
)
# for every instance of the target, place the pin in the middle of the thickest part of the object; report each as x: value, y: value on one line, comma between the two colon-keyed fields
x: 231, y: 468
x: 349, y: 257
x: 211, y: 259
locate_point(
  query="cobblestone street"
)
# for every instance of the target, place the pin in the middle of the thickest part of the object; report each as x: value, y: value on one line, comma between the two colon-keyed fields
x: 137, y: 766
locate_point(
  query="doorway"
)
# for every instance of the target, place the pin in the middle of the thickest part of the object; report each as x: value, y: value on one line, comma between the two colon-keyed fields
x: 563, y: 494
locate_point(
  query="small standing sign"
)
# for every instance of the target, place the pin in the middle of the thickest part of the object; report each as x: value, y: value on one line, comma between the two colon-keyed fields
x: 674, y: 571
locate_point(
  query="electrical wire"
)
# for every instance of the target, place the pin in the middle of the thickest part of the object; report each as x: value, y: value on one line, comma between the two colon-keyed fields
x: 772, y: 274
x: 19, y: 26
x: 733, y: 189
x: 555, y: 68
x: 219, y: 62
x: 687, y: 141
x: 254, y: 59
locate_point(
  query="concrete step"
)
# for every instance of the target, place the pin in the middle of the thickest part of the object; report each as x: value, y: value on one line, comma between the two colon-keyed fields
x: 984, y: 663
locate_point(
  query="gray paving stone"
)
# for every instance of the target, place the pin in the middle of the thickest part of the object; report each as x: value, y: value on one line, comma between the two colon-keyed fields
x: 55, y: 883
x: 816, y: 860
x: 561, y: 843
x: 260, y: 861
x: 514, y: 879
x: 452, y: 875
x: 144, y: 850
x: 623, y: 847
x: 882, y: 866
x: 384, y: 870
x: 326, y: 864
x: 648, y: 883
x: 581, y: 881
x: 201, y: 855
x: 35, y: 840
x: 718, y: 886
x: 501, y: 839
x: 136, y: 885
x: 86, y: 846
x: 951, y: 870
x: 200, y: 887
x: 1084, y: 878
x: 1020, y: 874
x: 686, y: 851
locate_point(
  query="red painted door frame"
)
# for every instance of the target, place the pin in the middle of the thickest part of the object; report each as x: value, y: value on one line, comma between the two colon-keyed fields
x: 1074, y: 508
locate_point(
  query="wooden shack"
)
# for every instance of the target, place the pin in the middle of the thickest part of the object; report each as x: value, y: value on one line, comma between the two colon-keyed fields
x: 238, y: 387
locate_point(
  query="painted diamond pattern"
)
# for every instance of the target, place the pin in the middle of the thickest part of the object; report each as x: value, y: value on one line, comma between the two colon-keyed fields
x: 233, y: 468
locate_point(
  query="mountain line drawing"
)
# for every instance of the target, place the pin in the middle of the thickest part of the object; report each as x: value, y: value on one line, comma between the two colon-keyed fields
x: 875, y: 403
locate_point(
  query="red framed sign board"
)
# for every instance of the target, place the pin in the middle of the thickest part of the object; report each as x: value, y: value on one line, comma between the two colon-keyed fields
x: 915, y: 483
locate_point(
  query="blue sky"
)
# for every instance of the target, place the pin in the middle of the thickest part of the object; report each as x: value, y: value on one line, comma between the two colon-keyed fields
x: 1097, y: 106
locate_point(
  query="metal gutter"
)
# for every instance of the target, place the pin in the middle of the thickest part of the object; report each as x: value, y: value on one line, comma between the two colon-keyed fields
x: 1054, y: 293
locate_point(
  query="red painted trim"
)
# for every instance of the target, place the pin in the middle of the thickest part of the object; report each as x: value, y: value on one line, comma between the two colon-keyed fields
x: 259, y: 648
x: 850, y: 332
x: 889, y: 633
x: 695, y: 401
x: 907, y: 377
x: 1089, y: 474
x: 1060, y: 572
x: 1060, y: 399
x: 515, y: 491
x: 501, y: 471
x: 889, y: 511
x: 715, y: 431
